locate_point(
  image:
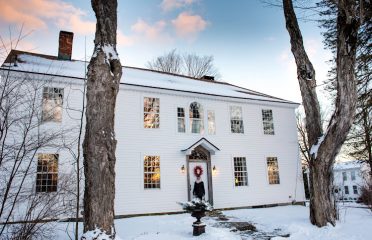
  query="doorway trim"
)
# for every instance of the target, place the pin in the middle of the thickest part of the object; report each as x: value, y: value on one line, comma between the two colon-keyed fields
x: 200, y: 154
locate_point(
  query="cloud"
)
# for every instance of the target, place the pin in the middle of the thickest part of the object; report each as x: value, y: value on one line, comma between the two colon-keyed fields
x: 38, y: 14
x: 123, y: 40
x: 168, y: 5
x: 188, y: 26
x: 152, y: 32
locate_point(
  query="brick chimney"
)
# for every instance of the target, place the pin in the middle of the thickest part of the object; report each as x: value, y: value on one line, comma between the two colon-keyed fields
x: 65, y: 45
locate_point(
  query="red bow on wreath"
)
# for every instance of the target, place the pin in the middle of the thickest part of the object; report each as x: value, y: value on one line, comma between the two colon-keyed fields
x: 198, y: 171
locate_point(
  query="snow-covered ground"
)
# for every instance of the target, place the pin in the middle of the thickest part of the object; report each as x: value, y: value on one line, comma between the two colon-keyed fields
x: 355, y: 224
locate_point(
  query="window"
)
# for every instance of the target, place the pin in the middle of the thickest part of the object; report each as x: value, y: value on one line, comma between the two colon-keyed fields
x: 196, y: 118
x: 355, y: 189
x: 151, y: 172
x: 181, y: 119
x: 151, y: 112
x: 236, y: 119
x: 346, y: 189
x: 353, y: 175
x: 47, y: 173
x: 273, y: 170
x: 344, y: 176
x: 268, y: 123
x: 52, y: 104
x: 240, y: 171
x: 211, y: 123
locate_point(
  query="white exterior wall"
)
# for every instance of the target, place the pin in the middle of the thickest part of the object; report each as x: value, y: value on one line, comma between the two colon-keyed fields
x: 340, y: 184
x: 135, y: 142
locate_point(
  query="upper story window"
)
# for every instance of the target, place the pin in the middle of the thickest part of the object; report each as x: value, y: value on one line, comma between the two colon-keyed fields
x: 151, y: 112
x: 211, y: 123
x: 236, y: 119
x: 273, y: 170
x: 268, y: 123
x: 196, y: 118
x: 47, y: 173
x: 240, y: 171
x: 344, y: 176
x: 52, y: 104
x: 352, y: 175
x: 151, y: 172
x: 181, y: 119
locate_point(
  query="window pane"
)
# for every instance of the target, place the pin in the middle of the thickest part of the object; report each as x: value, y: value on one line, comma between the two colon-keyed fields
x: 240, y: 171
x: 236, y: 119
x: 344, y: 176
x: 181, y: 119
x: 151, y: 175
x: 47, y: 173
x: 211, y: 123
x: 268, y: 123
x: 151, y: 112
x: 196, y: 118
x: 52, y: 104
x: 273, y: 170
x: 353, y: 175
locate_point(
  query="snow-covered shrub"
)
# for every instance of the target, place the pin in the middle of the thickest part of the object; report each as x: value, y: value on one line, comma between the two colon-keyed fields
x: 196, y: 204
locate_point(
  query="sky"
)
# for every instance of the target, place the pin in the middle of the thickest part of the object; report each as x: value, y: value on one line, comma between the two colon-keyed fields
x: 247, y: 38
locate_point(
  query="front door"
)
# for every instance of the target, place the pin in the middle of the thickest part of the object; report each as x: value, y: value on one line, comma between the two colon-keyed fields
x: 203, y: 176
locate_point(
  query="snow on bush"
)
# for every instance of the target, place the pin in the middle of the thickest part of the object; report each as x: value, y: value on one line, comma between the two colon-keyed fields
x: 196, y: 204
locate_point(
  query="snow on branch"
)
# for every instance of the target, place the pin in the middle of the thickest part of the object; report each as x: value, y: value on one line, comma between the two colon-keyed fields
x: 314, y: 149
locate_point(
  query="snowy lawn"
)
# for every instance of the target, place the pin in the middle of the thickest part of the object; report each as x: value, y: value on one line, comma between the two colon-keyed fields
x: 355, y: 224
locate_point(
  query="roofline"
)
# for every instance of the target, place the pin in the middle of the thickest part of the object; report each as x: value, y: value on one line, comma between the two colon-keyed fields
x: 161, y: 88
x: 50, y: 57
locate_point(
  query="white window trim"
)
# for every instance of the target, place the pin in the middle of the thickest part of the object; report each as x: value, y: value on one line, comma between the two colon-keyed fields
x: 267, y: 170
x: 185, y: 119
x: 142, y: 172
x: 262, y: 122
x: 229, y: 119
x: 233, y: 171
x: 142, y: 112
x: 215, y: 125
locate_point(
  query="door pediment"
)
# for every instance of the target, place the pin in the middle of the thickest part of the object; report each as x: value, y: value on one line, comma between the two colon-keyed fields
x: 204, y: 143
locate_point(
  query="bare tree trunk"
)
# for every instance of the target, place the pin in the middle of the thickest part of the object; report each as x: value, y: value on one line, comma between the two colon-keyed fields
x: 104, y: 73
x: 326, y: 146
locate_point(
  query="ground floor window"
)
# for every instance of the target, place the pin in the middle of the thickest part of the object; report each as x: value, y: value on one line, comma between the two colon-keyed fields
x: 273, y: 170
x: 355, y: 189
x: 151, y: 172
x: 47, y: 173
x: 346, y: 189
x: 240, y: 171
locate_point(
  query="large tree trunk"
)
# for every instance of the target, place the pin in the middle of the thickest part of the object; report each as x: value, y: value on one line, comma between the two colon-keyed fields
x: 104, y: 73
x: 326, y: 146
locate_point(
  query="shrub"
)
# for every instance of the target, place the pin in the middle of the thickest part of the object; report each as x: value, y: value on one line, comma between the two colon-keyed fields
x: 366, y: 195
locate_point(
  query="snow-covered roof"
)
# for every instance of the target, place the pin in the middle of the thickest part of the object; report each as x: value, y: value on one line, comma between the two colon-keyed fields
x: 51, y: 65
x: 347, y: 165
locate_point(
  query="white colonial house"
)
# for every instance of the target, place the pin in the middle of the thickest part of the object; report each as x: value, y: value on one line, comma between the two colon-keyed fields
x: 166, y: 125
x: 348, y: 178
